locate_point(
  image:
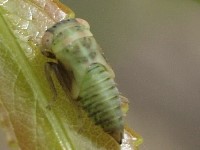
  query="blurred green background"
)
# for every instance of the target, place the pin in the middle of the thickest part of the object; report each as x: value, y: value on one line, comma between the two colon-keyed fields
x: 154, y: 49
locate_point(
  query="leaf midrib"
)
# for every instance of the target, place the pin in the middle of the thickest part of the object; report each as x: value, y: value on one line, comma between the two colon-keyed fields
x: 35, y: 84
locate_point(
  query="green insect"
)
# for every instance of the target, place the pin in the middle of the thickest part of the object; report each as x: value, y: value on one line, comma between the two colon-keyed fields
x: 84, y: 73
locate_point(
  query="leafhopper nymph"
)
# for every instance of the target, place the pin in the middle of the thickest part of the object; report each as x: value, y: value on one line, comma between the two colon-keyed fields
x: 84, y: 73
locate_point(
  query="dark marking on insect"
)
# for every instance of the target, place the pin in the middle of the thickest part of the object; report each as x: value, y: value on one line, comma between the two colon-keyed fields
x: 76, y: 50
x: 87, y: 42
x: 92, y: 55
x: 84, y: 73
x: 82, y: 60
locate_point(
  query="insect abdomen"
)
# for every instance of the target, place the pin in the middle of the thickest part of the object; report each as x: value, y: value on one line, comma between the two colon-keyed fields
x: 99, y: 97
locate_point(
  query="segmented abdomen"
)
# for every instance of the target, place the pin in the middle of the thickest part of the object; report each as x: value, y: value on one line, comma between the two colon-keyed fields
x: 100, y: 98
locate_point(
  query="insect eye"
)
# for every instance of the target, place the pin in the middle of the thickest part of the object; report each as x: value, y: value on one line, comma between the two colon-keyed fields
x: 47, y: 40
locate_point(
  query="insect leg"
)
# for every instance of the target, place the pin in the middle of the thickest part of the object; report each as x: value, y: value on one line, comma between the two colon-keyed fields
x: 63, y: 77
x: 48, y: 54
x: 124, y: 105
x: 50, y: 67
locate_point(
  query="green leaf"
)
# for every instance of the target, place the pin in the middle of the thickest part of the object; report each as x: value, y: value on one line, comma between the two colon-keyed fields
x: 24, y: 90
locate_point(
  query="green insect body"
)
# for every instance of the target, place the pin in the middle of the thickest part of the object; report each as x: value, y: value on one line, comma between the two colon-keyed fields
x: 83, y: 71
